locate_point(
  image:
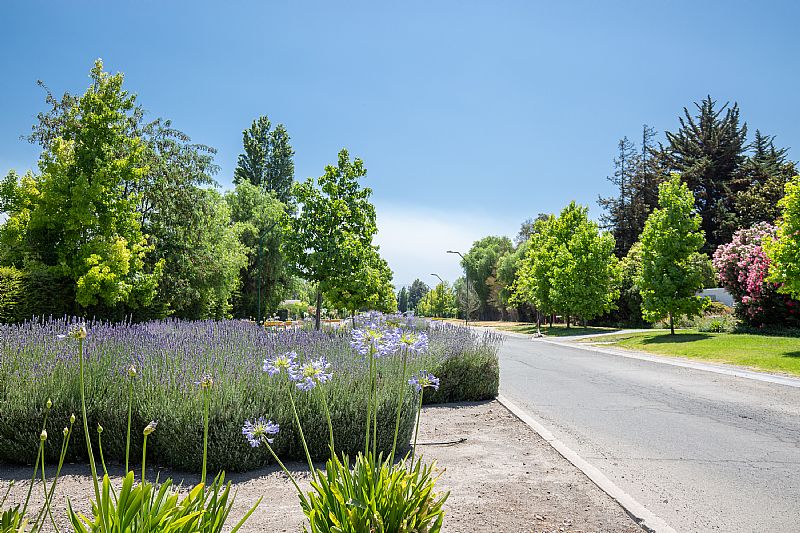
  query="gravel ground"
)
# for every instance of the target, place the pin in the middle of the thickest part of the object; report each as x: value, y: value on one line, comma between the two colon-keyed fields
x: 502, y: 478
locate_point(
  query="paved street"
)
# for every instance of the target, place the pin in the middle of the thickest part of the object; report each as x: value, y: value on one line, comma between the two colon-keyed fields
x: 704, y: 451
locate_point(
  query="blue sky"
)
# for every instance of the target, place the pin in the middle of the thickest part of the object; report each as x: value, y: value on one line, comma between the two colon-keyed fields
x: 470, y: 116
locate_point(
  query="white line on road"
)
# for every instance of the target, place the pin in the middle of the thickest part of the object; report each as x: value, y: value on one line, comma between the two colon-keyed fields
x: 636, y: 510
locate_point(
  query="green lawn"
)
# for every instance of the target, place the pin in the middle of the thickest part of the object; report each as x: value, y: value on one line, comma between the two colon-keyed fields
x: 558, y: 330
x: 762, y: 352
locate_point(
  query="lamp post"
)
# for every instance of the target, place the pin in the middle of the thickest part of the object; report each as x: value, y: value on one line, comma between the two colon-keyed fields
x: 260, y: 246
x: 466, y: 282
x: 440, y: 280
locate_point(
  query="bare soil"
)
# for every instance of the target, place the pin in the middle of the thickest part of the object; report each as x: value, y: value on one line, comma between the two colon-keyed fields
x: 502, y: 478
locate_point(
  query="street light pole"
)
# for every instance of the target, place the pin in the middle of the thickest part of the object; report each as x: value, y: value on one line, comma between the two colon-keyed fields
x: 466, y: 282
x: 440, y: 280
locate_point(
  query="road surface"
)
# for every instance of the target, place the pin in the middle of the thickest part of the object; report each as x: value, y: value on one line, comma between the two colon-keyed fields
x: 703, y: 451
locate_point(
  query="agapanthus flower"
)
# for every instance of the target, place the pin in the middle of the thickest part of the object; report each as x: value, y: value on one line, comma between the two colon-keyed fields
x: 380, y: 342
x: 258, y: 430
x: 78, y: 331
x: 205, y: 382
x: 311, y: 374
x: 149, y: 428
x: 424, y: 380
x: 281, y: 363
x: 414, y: 342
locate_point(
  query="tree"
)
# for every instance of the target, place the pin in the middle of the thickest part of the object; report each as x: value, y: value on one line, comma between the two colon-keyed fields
x: 743, y: 267
x: 265, y: 278
x: 480, y: 264
x: 584, y: 275
x: 467, y: 299
x: 784, y: 250
x: 532, y: 283
x: 368, y: 288
x: 708, y: 151
x: 669, y: 278
x: 527, y: 228
x: 439, y: 302
x: 331, y: 237
x: 760, y: 183
x: 402, y: 300
x: 416, y: 292
x: 618, y: 216
x: 79, y: 216
x: 267, y: 160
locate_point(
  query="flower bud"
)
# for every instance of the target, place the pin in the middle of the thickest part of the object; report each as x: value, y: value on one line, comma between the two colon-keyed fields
x: 43, y: 435
x: 99, y: 429
x: 132, y: 371
x: 72, y: 418
x: 49, y: 403
x: 65, y: 432
x: 151, y: 427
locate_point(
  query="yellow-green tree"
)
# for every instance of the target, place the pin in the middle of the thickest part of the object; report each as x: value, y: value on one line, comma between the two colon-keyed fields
x: 784, y: 252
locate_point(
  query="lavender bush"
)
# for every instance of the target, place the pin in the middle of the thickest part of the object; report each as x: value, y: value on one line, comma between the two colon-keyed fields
x: 171, y: 356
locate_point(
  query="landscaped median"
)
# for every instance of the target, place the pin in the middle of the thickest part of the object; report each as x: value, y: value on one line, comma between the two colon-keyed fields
x: 771, y: 353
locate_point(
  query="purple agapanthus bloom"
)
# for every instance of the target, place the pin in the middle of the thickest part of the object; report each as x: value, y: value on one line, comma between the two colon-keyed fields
x: 281, y: 363
x: 414, y: 342
x: 311, y: 374
x: 423, y: 380
x: 377, y: 341
x: 259, y: 430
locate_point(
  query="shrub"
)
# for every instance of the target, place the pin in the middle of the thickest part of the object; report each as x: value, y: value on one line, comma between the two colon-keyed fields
x: 171, y: 355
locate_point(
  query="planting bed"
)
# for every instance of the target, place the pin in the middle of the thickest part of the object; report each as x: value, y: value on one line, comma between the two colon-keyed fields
x: 502, y: 478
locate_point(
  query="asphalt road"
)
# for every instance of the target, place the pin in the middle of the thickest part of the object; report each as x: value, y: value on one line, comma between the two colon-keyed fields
x: 703, y: 451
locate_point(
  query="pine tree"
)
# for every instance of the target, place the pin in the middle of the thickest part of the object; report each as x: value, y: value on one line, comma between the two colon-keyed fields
x: 708, y: 151
x: 267, y: 160
x: 402, y: 300
x: 618, y: 218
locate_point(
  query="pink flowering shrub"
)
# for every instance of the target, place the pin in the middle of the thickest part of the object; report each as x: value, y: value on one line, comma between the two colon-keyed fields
x: 743, y: 267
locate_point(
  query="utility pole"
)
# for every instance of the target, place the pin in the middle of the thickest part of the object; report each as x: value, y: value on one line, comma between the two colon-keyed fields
x: 466, y: 281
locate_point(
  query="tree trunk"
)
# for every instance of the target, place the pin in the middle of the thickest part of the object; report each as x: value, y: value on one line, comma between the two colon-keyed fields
x: 671, y: 325
x: 568, y: 317
x: 318, y: 325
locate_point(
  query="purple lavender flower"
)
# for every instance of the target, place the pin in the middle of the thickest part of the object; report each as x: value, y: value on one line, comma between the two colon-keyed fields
x: 423, y: 380
x: 258, y: 430
x: 311, y: 374
x: 281, y: 363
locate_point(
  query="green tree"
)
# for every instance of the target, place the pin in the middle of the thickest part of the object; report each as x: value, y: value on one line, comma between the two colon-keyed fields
x: 467, y: 299
x: 332, y: 235
x: 267, y: 160
x: 402, y: 300
x: 533, y: 279
x: 784, y: 252
x: 669, y: 278
x: 368, y: 288
x: 619, y: 216
x: 416, y: 292
x: 584, y: 275
x: 265, y: 280
x: 439, y: 302
x: 708, y: 151
x: 79, y: 216
x: 480, y: 264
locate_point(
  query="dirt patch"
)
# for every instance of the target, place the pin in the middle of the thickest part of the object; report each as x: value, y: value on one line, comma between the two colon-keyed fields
x: 503, y: 478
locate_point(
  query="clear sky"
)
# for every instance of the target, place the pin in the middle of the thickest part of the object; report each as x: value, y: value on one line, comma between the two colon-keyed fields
x: 470, y: 116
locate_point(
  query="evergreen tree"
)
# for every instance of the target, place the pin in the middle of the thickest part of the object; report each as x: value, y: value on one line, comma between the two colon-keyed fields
x: 669, y: 277
x: 267, y: 160
x: 416, y: 292
x: 402, y: 300
x: 618, y: 217
x: 708, y: 151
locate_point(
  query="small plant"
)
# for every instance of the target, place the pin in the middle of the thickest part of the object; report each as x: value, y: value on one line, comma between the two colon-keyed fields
x: 376, y: 494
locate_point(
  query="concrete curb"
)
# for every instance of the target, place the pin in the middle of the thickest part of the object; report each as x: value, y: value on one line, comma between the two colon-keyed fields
x: 646, y: 519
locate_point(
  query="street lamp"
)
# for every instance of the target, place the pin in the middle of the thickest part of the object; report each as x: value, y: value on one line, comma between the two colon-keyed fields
x: 466, y: 282
x: 440, y: 279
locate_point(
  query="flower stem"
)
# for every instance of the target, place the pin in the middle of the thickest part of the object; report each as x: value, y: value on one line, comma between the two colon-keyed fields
x: 328, y: 416
x: 369, y: 401
x: 144, y: 456
x: 36, y: 466
x: 280, y: 463
x: 400, y: 404
x: 86, y: 426
x: 300, y: 430
x: 416, y: 432
x: 128, y: 436
x: 374, y: 395
x: 206, y: 406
